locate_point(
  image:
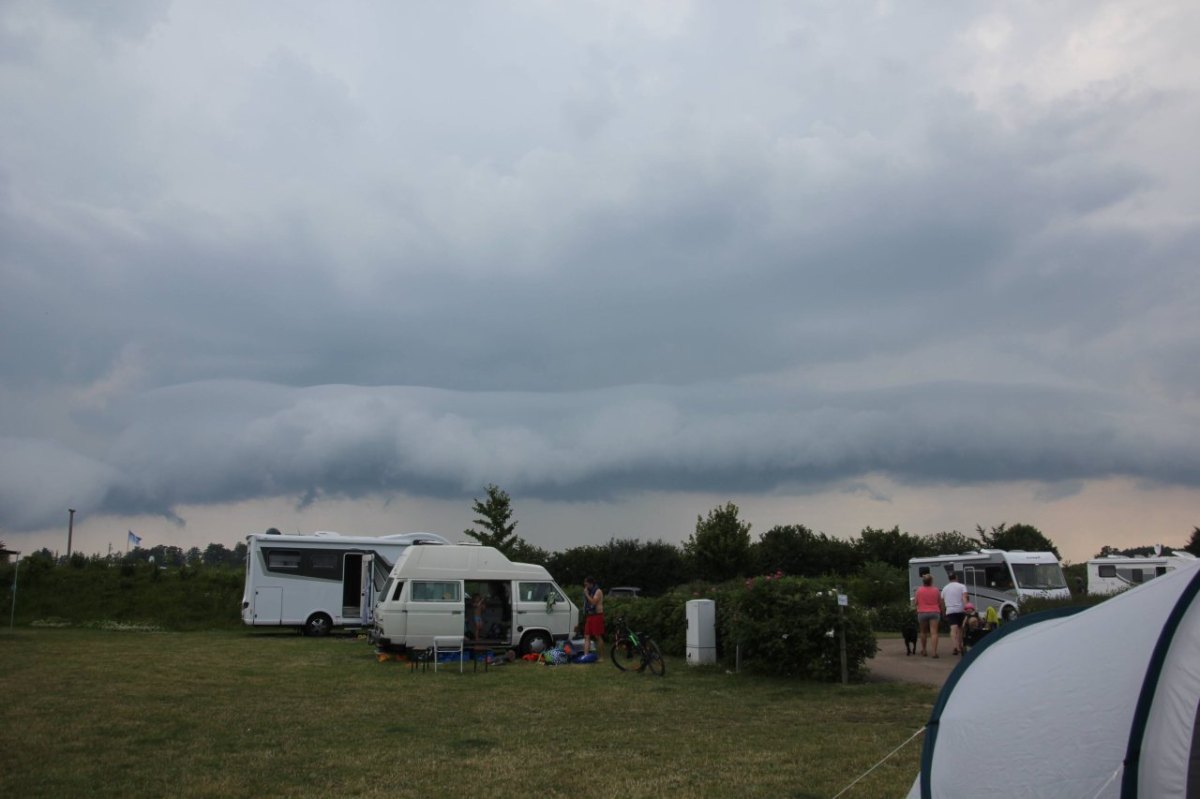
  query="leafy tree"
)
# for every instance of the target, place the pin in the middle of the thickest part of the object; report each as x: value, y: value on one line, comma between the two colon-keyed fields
x: 1193, y: 544
x: 720, y: 547
x: 1019, y: 536
x: 214, y: 555
x: 494, y: 516
x: 948, y: 543
x: 796, y: 550
x: 653, y: 566
x: 889, y: 546
x: 878, y: 584
x: 524, y: 552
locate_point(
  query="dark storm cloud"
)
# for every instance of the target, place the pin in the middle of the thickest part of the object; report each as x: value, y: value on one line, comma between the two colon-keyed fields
x: 227, y: 441
x: 588, y: 253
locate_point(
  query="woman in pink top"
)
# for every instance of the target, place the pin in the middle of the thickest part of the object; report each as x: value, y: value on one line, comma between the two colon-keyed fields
x: 929, y: 612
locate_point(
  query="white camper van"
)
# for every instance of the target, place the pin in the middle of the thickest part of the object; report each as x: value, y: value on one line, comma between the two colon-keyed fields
x: 472, y: 591
x: 320, y: 581
x: 1114, y: 573
x: 995, y: 578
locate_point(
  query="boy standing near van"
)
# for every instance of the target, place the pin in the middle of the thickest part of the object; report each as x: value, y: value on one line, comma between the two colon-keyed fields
x: 593, y: 617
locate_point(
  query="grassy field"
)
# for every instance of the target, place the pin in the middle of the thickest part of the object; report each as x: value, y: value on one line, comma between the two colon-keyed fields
x: 232, y: 714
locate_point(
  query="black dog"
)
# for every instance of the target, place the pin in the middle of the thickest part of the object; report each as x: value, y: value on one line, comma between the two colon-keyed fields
x: 909, y: 631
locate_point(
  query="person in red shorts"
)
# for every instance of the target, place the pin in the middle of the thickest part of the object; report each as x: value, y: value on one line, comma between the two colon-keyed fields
x: 593, y: 617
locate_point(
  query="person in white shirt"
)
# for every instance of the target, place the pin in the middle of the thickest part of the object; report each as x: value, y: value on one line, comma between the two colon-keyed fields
x: 954, y: 601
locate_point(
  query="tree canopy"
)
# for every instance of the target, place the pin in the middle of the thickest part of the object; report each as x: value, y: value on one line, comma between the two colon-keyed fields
x: 494, y: 517
x: 1019, y: 536
x: 720, y: 547
x: 1193, y: 544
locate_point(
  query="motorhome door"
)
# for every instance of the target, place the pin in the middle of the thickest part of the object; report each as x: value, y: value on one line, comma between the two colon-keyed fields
x: 366, y: 598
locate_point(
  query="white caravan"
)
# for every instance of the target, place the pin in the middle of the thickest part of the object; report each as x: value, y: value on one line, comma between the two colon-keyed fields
x: 1114, y: 573
x: 471, y: 591
x: 995, y: 578
x: 320, y: 581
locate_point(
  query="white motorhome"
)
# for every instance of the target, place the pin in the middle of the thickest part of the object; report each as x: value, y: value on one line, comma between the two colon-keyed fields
x: 471, y: 591
x: 321, y: 581
x: 995, y: 578
x: 1114, y: 573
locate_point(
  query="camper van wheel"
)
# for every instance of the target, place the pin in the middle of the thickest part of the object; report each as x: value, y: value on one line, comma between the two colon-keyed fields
x: 317, y: 625
x: 1009, y: 613
x: 536, y: 642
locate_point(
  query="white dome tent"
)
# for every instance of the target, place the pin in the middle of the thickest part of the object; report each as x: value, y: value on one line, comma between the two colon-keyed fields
x: 1097, y: 704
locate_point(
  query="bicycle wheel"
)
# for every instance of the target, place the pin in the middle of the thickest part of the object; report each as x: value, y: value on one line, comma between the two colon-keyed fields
x: 654, y: 659
x: 623, y: 653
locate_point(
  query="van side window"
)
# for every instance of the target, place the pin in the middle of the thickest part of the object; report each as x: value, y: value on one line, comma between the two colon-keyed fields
x: 399, y: 588
x: 435, y: 591
x: 1107, y: 570
x: 538, y: 592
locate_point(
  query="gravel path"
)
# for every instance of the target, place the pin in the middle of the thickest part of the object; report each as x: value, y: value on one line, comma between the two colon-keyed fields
x: 890, y: 664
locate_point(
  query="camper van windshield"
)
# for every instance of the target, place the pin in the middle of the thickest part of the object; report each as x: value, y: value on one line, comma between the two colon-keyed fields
x: 1041, y: 576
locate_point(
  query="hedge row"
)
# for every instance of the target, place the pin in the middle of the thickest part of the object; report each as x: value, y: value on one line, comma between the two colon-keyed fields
x: 783, y: 625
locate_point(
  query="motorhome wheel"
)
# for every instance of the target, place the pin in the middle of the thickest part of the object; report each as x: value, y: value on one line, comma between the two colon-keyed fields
x: 317, y: 625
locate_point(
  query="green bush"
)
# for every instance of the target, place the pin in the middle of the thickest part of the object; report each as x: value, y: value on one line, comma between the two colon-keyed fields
x: 127, y: 594
x: 892, y: 617
x: 778, y: 625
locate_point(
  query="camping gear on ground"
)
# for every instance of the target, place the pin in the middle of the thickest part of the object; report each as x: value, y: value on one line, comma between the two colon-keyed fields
x: 1102, y: 702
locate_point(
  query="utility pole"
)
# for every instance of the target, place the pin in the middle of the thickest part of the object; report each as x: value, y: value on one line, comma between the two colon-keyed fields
x: 70, y: 530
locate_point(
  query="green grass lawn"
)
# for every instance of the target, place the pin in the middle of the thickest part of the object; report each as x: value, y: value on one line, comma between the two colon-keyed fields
x: 96, y: 713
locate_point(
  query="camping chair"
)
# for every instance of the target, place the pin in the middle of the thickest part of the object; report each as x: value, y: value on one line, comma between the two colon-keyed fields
x: 448, y: 643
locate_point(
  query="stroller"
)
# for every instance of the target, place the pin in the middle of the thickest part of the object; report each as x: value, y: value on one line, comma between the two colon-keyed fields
x: 974, y: 628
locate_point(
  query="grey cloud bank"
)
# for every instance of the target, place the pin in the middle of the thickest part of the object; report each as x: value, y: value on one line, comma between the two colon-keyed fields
x: 234, y: 440
x: 592, y: 250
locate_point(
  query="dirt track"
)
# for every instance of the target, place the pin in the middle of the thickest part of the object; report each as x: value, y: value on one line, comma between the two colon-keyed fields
x: 890, y: 664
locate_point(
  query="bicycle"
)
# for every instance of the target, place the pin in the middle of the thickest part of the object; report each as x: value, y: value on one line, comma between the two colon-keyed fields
x: 628, y: 645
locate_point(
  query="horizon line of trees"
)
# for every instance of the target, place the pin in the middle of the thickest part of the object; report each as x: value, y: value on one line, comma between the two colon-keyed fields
x: 719, y: 549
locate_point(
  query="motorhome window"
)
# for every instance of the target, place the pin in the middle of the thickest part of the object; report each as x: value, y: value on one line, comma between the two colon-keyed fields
x: 283, y: 560
x: 325, y: 564
x: 435, y: 591
x: 922, y: 571
x: 396, y: 593
x: 1137, y: 576
x: 1108, y: 571
x: 998, y: 577
x: 539, y: 592
x: 1041, y: 576
x: 1159, y: 571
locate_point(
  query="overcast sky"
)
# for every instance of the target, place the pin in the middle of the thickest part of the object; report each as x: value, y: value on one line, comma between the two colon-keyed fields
x: 338, y: 266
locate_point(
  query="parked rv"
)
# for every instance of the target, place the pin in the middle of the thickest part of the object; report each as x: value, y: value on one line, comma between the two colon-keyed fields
x: 1114, y: 573
x: 995, y: 578
x: 471, y: 591
x: 321, y: 581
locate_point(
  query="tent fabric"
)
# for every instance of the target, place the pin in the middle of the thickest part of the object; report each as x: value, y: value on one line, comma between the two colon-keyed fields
x: 1054, y: 704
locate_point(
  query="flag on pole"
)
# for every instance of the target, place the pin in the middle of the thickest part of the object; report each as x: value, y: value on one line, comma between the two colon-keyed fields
x: 134, y: 540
